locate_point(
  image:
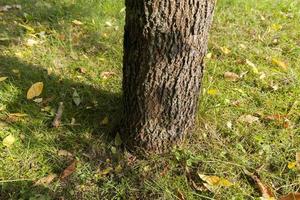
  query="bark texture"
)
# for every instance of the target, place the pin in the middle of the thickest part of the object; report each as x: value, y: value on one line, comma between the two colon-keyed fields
x: 164, y: 46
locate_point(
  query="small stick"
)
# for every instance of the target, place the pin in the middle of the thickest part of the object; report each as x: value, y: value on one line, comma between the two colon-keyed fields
x: 57, y: 120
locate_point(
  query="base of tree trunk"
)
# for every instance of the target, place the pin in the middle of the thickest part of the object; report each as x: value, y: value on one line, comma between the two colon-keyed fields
x: 165, y: 43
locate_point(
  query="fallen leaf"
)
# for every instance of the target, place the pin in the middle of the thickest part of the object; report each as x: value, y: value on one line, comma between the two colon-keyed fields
x: 57, y: 120
x: 77, y: 22
x: 45, y: 180
x: 266, y: 191
x: 225, y: 50
x: 216, y: 181
x: 262, y: 75
x: 9, y: 140
x: 35, y: 90
x: 276, y: 27
x: 248, y: 119
x: 292, y: 165
x: 231, y: 76
x: 31, y: 42
x: 38, y: 100
x: 279, y: 63
x: 17, y: 115
x: 212, y: 92
x: 106, y: 75
x: 253, y: 66
x: 291, y: 196
x: 105, y: 121
x: 243, y: 46
x: 81, y: 70
x: 108, y: 23
x: 180, y: 195
x: 229, y: 125
x: 3, y: 124
x: 76, y: 98
x: 209, y: 55
x: 298, y: 160
x: 9, y: 7
x: 105, y: 171
x: 118, y: 140
x: 3, y: 78
x: 69, y: 170
x: 118, y: 169
x: 275, y: 117
x: 64, y: 153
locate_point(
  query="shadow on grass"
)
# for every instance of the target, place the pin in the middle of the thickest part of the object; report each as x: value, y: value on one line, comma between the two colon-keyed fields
x: 87, y: 137
x: 96, y: 105
x: 88, y: 140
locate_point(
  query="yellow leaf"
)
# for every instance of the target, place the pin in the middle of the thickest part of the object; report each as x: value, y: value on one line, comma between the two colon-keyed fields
x: 77, y: 22
x: 105, y: 171
x: 118, y: 140
x: 225, y: 183
x: 35, y: 90
x: 215, y: 181
x: 276, y: 27
x: 212, y: 92
x: 105, y: 121
x: 279, y: 63
x: 17, y: 115
x: 209, y: 55
x: 292, y: 165
x: 3, y: 78
x: 225, y: 50
x: 9, y: 140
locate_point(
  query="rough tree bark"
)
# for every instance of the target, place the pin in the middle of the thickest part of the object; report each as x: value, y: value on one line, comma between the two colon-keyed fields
x: 165, y: 42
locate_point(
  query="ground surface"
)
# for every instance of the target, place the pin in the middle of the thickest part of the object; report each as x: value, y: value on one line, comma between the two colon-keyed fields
x: 252, y: 123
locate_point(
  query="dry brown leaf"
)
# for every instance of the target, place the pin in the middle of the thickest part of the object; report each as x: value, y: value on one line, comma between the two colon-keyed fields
x: 180, y: 195
x: 69, y: 170
x: 45, y: 180
x: 265, y: 190
x: 275, y: 117
x: 35, y: 90
x: 231, y: 76
x: 291, y: 196
x: 248, y: 119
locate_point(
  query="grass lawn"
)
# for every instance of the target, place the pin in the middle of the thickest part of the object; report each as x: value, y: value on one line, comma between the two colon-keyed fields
x: 245, y: 122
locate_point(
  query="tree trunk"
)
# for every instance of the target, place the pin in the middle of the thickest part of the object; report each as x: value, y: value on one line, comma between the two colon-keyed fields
x: 165, y: 43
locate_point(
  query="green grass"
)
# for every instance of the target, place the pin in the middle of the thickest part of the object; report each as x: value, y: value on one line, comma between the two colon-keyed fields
x: 252, y: 30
